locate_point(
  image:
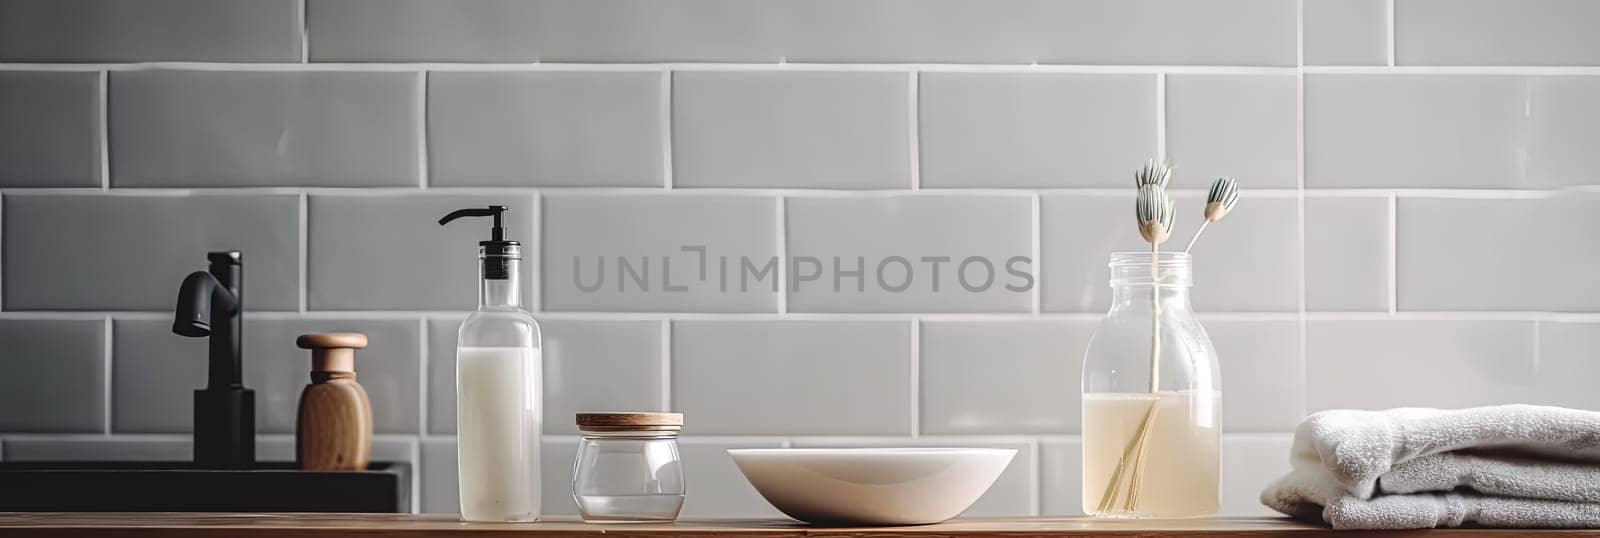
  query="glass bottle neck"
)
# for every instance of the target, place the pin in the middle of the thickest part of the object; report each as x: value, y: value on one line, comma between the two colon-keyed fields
x: 1136, y: 276
x: 500, y: 292
x: 1140, y: 295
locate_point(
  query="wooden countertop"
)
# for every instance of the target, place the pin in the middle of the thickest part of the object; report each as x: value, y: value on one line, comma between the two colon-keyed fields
x: 328, y: 525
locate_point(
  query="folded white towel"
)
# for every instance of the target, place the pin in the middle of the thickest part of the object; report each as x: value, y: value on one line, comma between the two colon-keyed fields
x: 1505, y: 475
x: 1357, y: 447
x: 1524, y: 454
x: 1310, y: 492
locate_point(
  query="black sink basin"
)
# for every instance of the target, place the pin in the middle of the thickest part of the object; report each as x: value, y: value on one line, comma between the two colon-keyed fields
x: 180, y: 487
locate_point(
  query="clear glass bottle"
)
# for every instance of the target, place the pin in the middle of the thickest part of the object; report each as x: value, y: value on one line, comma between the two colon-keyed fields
x: 628, y: 467
x: 499, y: 391
x: 1151, y: 443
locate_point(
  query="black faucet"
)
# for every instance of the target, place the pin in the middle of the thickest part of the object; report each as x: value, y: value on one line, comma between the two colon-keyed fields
x: 210, y: 304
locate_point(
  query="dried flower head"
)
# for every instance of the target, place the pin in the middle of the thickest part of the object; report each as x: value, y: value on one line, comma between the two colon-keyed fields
x: 1224, y: 194
x: 1154, y: 211
x: 1153, y: 173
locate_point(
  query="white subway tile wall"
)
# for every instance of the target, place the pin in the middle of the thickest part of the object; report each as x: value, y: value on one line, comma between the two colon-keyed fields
x: 909, y: 253
x: 264, y: 128
x: 1248, y: 463
x: 1254, y: 350
x: 794, y: 377
x: 616, y: 252
x: 1232, y: 125
x: 116, y: 250
x: 1060, y: 465
x: 1382, y: 363
x: 1495, y: 32
x: 1034, y: 129
x: 150, y: 31
x: 1544, y: 254
x: 1420, y: 184
x: 826, y: 130
x: 51, y: 133
x: 1346, y: 32
x: 1001, y: 377
x: 1347, y: 255
x: 363, y: 250
x: 546, y: 129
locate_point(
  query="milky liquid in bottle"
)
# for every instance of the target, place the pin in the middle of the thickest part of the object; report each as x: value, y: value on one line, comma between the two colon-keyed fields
x: 498, y: 420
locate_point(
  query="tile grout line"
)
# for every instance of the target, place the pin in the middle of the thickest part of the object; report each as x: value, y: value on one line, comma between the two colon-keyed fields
x: 416, y: 476
x: 603, y: 66
x: 108, y: 345
x: 105, y: 130
x: 288, y: 437
x: 305, y: 33
x: 1018, y: 316
x: 2, y: 253
x: 1394, y: 253
x: 783, y: 255
x: 1300, y: 204
x: 916, y: 377
x: 304, y: 239
x: 422, y: 130
x: 1036, y: 478
x: 914, y: 119
x: 666, y: 364
x: 978, y: 192
x: 1089, y: 69
x: 666, y: 129
x: 1300, y: 36
x: 1538, y: 346
x: 1518, y: 70
x: 1461, y: 315
x: 1036, y: 250
x: 423, y: 359
x: 535, y: 243
x: 1161, y: 116
x: 1389, y: 28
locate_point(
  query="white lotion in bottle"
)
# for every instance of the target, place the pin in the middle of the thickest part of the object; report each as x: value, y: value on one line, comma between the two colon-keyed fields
x: 499, y: 388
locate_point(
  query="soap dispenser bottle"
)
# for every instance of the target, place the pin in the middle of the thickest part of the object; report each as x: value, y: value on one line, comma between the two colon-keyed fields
x: 499, y: 387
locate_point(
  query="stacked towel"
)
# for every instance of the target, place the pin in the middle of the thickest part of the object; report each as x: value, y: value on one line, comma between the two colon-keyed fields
x: 1503, y: 466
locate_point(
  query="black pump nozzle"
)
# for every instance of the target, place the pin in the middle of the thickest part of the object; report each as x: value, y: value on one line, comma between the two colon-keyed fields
x: 497, y: 249
x: 498, y: 233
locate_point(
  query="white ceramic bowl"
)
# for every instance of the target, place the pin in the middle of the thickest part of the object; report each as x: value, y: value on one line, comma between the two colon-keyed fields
x: 872, y: 486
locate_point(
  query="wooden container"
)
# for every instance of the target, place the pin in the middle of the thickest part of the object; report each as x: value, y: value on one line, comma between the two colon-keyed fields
x: 334, y: 428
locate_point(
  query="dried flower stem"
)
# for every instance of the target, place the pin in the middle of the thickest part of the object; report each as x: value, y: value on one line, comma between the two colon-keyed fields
x: 1129, y: 453
x: 1155, y: 375
x: 1139, y: 460
x: 1197, y: 233
x: 1155, y: 317
x: 1155, y: 221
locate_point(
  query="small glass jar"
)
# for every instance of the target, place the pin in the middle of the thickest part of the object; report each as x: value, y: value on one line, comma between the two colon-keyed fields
x: 628, y: 468
x: 1151, y: 397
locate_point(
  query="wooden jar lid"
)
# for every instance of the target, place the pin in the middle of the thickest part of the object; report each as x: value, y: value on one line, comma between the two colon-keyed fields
x: 622, y: 422
x: 327, y: 340
x: 332, y: 352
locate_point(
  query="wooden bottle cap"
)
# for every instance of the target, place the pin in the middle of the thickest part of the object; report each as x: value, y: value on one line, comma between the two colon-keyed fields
x: 622, y: 422
x: 332, y: 352
x: 322, y: 340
